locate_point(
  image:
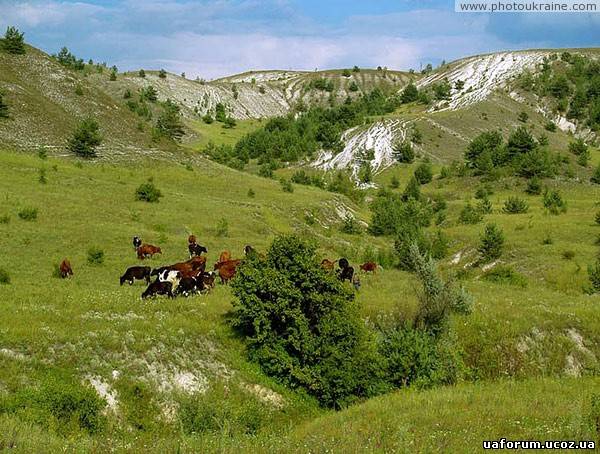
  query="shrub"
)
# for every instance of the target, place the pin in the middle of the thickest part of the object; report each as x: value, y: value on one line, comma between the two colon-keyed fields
x: 95, y: 256
x: 505, y: 275
x: 222, y: 228
x: 142, y: 73
x: 595, y: 178
x: 423, y: 173
x: 594, y: 276
x: 162, y: 74
x: 554, y: 202
x: 550, y: 126
x: 42, y: 178
x: 148, y: 192
x: 439, y: 245
x: 492, y: 243
x: 28, y: 214
x: 13, y: 41
x: 515, y: 205
x: 4, y: 277
x: 395, y: 182
x: 222, y: 410
x: 286, y: 185
x: 85, y: 138
x: 523, y: 117
x: 483, y: 192
x: 5, y: 219
x: 534, y: 186
x: 67, y: 407
x: 409, y: 94
x: 412, y: 190
x: 350, y: 225
x: 390, y: 213
x: 312, y: 339
x: 484, y: 206
x: 403, y: 151
x: 547, y: 240
x: 470, y: 215
x: 597, y: 217
x: 251, y: 193
x: 568, y: 254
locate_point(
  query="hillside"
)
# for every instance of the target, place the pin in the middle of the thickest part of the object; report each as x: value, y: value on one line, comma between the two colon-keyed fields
x: 89, y: 366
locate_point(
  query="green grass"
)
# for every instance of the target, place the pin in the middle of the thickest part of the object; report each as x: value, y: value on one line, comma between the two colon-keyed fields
x: 216, y: 133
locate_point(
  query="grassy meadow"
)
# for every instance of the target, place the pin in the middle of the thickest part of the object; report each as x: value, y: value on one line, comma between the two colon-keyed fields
x: 150, y: 356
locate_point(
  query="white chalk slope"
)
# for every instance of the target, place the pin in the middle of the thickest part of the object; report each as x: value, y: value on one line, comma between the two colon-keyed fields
x: 482, y: 75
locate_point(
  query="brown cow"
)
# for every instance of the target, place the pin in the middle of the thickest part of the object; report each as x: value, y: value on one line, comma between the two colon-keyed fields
x: 369, y: 267
x: 225, y: 256
x: 147, y: 250
x: 65, y: 269
x: 226, y: 269
x: 192, y: 268
x: 327, y: 264
x: 191, y: 239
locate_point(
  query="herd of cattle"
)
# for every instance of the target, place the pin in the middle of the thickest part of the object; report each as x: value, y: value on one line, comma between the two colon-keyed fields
x: 190, y: 277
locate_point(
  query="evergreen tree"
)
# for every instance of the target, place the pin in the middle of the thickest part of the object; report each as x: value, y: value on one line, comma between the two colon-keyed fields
x: 412, y: 190
x: 85, y: 139
x: 3, y: 108
x: 13, y: 42
x: 162, y: 74
x: 142, y: 73
x: 410, y: 93
x: 168, y: 123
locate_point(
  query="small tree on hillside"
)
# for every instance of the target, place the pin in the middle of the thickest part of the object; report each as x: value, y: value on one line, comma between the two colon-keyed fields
x: 403, y: 151
x: 168, y: 123
x: 492, y: 243
x: 13, y: 42
x: 162, y: 74
x: 3, y: 108
x: 85, y: 138
x: 409, y: 94
x: 142, y: 73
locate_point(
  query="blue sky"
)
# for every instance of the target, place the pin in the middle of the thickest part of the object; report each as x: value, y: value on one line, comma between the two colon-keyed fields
x: 212, y: 38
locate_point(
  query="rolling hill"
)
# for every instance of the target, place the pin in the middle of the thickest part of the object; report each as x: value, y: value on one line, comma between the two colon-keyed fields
x: 89, y: 366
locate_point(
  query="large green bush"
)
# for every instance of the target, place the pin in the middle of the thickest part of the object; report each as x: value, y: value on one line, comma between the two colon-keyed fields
x: 303, y: 326
x: 148, y: 192
x: 13, y: 41
x: 492, y: 243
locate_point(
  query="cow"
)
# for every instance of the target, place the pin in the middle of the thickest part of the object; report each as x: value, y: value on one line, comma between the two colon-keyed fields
x: 189, y: 285
x: 159, y: 288
x: 225, y: 256
x: 191, y: 268
x: 136, y: 272
x: 327, y: 264
x: 369, y: 267
x: 137, y: 242
x: 172, y: 276
x: 147, y: 250
x: 65, y: 269
x: 208, y: 280
x: 196, y: 249
x: 343, y: 263
x: 226, y: 270
x: 249, y: 251
x: 346, y: 273
x: 191, y: 239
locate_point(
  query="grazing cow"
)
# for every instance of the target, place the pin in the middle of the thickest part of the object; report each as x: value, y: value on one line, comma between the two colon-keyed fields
x: 137, y: 242
x: 196, y: 249
x: 65, y: 269
x: 346, y: 273
x: 191, y: 268
x: 172, y: 276
x: 225, y: 256
x: 369, y: 267
x: 226, y: 270
x: 249, y: 250
x: 136, y: 272
x: 343, y: 263
x: 159, y: 288
x: 327, y: 264
x: 147, y: 250
x: 189, y: 285
x: 191, y: 239
x: 208, y: 280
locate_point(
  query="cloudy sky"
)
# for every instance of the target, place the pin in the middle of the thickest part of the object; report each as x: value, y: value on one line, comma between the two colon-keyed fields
x: 212, y: 38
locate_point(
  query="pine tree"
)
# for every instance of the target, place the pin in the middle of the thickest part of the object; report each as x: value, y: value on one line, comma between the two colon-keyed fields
x: 3, y: 108
x: 142, y: 73
x: 85, y: 139
x: 162, y: 74
x: 13, y: 41
x: 412, y: 190
x: 168, y: 123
